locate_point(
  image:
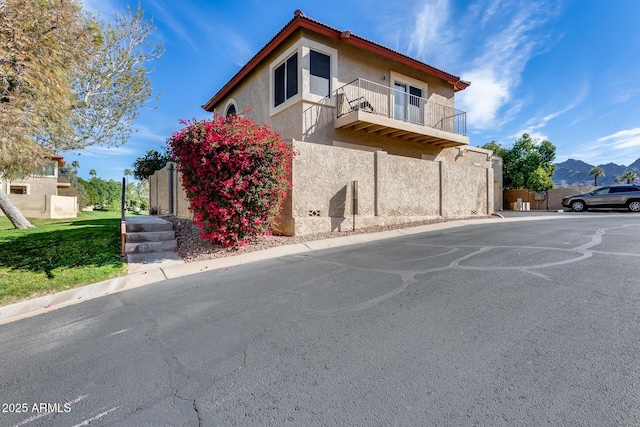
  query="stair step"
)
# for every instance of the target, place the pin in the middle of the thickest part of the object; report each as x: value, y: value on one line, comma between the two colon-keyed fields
x: 149, y: 236
x: 144, y: 247
x: 140, y: 227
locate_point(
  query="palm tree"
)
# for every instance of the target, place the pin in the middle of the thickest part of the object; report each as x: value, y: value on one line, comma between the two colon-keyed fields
x: 596, y: 172
x: 75, y: 166
x: 93, y: 173
x: 128, y: 173
x: 630, y: 176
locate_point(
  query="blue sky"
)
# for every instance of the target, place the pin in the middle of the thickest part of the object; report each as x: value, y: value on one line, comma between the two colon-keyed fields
x: 562, y: 70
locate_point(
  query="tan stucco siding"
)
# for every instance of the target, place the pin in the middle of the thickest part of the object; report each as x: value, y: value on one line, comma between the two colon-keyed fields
x: 467, y: 190
x: 322, y: 181
x: 312, y: 120
x: 408, y: 186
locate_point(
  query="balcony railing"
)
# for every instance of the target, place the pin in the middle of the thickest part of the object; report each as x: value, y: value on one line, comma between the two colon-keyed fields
x: 382, y: 100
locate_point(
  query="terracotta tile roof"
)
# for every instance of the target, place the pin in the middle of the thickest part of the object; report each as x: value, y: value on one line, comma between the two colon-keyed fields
x: 300, y: 20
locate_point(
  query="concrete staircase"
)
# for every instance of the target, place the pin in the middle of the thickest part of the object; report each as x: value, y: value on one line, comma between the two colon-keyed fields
x: 149, y: 240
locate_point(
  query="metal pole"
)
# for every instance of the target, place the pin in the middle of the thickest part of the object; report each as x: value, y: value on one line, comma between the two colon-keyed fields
x: 354, y: 203
x: 123, y: 225
x: 122, y: 201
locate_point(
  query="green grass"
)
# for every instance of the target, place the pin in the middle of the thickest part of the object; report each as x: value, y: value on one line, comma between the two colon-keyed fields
x: 58, y: 255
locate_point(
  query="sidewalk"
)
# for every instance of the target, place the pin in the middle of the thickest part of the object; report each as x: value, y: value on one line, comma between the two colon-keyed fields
x: 170, y: 269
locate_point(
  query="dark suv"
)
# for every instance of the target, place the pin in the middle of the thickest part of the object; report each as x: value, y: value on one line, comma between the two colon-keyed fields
x: 614, y: 196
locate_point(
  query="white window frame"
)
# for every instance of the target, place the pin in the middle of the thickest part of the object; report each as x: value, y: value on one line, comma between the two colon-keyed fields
x: 395, y: 77
x: 54, y: 165
x: 230, y: 103
x: 272, y: 67
x: 307, y: 47
x: 27, y: 187
x: 303, y: 48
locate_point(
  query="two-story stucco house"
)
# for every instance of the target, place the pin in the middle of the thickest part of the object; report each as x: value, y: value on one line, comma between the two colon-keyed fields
x: 366, y: 121
x: 36, y: 196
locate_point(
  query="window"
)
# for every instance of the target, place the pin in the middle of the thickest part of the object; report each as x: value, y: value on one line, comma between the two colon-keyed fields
x: 231, y: 110
x: 624, y: 189
x: 320, y: 70
x: 285, y: 80
x: 49, y: 170
x: 18, y: 189
x: 305, y: 72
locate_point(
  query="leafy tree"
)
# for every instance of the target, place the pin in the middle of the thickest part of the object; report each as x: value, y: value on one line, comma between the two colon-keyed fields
x: 116, y: 83
x: 36, y: 96
x: 90, y: 192
x: 85, y: 88
x: 595, y: 173
x: 104, y: 194
x: 138, y: 195
x: 629, y: 176
x: 539, y: 180
x: 528, y: 164
x: 77, y: 189
x: 146, y: 166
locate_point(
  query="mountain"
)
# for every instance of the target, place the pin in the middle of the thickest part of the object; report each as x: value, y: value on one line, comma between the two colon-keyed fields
x: 635, y: 166
x: 576, y: 173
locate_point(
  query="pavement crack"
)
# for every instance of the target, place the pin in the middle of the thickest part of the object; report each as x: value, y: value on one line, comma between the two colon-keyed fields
x: 195, y: 408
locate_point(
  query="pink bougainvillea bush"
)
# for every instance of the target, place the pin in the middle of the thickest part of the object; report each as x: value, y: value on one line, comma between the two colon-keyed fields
x: 235, y: 174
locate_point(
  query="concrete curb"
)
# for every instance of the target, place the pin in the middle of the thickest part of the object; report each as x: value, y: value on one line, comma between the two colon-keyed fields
x: 157, y: 272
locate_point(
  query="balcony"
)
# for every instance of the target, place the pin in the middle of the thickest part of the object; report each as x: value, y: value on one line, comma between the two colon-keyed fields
x: 64, y: 180
x: 370, y: 107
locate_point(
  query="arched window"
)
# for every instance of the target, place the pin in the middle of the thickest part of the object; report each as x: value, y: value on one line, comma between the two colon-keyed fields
x: 231, y: 110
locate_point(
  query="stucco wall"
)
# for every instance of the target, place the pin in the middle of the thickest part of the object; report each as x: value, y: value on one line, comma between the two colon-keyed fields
x: 466, y: 190
x: 166, y: 195
x: 323, y: 186
x: 63, y: 207
x: 42, y: 200
x: 45, y: 206
x: 391, y: 189
x: 408, y: 187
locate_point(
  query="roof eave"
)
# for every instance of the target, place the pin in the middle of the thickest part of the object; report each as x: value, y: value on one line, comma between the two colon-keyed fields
x: 301, y: 21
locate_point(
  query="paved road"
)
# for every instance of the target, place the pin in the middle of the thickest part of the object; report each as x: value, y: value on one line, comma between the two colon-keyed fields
x: 528, y: 323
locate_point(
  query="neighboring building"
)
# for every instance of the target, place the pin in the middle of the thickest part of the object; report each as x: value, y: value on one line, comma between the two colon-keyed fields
x: 356, y: 111
x: 37, y: 195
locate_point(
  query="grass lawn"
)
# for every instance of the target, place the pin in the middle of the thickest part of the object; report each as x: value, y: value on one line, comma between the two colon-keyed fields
x: 58, y: 255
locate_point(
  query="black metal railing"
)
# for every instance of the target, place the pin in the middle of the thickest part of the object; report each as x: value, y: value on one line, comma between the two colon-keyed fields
x: 378, y: 99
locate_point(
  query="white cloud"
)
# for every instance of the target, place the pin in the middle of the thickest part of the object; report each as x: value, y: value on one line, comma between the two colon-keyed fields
x: 487, y: 96
x: 620, y: 147
x: 541, y: 122
x: 621, y: 135
x: 149, y: 134
x: 174, y: 24
x: 491, y: 42
x: 430, y: 29
x: 102, y: 151
x: 496, y: 73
